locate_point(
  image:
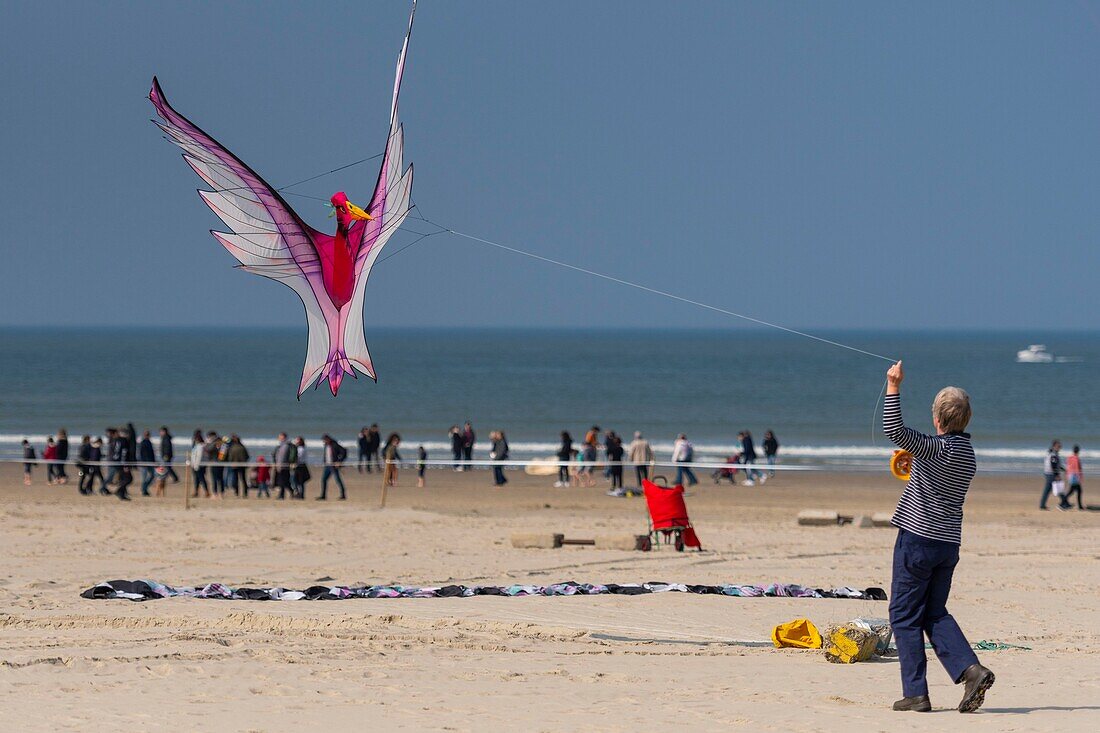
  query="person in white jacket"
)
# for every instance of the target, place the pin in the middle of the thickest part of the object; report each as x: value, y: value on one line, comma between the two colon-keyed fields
x: 683, y: 452
x: 640, y: 454
x: 198, y: 471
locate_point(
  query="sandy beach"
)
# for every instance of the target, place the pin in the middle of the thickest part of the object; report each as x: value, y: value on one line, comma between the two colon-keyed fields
x: 577, y: 663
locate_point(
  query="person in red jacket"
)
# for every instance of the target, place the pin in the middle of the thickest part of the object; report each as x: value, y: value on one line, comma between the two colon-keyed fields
x: 263, y: 478
x: 50, y: 454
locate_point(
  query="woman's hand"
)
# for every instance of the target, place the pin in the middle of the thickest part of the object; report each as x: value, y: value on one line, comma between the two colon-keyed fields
x: 894, y: 376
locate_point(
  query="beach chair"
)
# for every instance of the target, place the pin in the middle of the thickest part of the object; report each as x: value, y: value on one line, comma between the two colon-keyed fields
x: 668, y: 517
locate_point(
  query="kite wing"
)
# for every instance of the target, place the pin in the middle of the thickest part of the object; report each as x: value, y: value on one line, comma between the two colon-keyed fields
x: 265, y: 236
x: 389, y: 206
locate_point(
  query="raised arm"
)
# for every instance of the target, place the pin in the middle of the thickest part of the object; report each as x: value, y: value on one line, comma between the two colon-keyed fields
x: 917, y: 443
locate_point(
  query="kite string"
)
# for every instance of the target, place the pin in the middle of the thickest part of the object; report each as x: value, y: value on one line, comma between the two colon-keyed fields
x: 334, y: 170
x: 655, y: 291
x: 874, y: 415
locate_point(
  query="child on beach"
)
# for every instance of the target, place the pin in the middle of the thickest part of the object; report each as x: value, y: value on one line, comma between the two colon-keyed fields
x: 28, y: 455
x: 929, y: 522
x: 421, y: 456
x: 263, y: 478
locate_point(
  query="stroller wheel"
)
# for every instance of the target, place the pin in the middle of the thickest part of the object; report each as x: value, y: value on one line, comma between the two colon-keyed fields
x: 679, y: 542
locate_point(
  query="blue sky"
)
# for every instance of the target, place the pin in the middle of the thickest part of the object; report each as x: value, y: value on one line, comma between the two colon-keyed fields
x: 822, y: 165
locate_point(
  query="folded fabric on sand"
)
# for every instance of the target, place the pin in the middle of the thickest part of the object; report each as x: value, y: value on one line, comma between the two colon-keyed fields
x: 147, y: 590
x: 800, y: 634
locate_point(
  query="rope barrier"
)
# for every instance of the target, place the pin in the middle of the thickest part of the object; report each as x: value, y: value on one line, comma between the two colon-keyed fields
x: 474, y: 463
x: 866, y: 467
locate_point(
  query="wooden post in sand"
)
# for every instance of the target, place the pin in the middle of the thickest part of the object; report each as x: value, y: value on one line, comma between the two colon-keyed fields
x: 187, y: 484
x: 385, y: 471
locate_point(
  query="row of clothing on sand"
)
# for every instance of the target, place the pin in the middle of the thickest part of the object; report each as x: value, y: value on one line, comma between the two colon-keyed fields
x: 147, y: 590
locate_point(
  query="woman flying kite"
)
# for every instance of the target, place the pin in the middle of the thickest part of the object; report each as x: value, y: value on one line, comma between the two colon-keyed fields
x: 329, y: 273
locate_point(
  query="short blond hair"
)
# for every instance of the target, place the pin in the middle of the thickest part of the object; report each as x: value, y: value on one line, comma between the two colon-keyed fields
x: 951, y: 409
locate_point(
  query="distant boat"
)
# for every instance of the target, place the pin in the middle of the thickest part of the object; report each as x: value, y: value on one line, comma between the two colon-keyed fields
x: 1035, y: 354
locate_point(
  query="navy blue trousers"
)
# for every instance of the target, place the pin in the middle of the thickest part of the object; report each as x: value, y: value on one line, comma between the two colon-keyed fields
x: 918, y: 608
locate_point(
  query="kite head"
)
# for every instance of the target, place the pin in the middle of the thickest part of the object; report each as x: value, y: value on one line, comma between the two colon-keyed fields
x: 346, y: 211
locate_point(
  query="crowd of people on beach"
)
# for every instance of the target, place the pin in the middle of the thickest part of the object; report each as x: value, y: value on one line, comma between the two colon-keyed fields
x: 220, y: 464
x: 576, y: 463
x: 1063, y: 480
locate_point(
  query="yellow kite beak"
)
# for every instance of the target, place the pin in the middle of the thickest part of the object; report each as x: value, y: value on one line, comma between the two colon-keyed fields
x: 358, y: 213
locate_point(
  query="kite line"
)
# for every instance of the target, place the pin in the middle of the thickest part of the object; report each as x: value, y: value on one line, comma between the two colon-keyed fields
x: 639, y: 286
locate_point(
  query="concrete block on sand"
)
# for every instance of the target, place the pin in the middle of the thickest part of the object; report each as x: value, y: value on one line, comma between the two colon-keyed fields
x: 818, y: 518
x: 863, y: 521
x: 882, y: 519
x: 628, y: 542
x: 537, y: 541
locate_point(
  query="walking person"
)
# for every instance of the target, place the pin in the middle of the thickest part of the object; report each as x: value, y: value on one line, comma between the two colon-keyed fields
x: 335, y: 455
x: 95, y: 471
x: 213, y: 457
x: 565, y: 455
x: 1074, y: 474
x: 84, y: 454
x: 771, y: 451
x: 108, y: 450
x: 683, y: 452
x: 301, y: 469
x: 391, y: 458
x: 146, y: 458
x: 929, y: 518
x: 615, y: 452
x: 49, y: 454
x: 167, y: 453
x: 640, y: 455
x: 468, y: 441
x: 498, y: 452
x: 609, y: 438
x: 237, y: 456
x: 223, y: 459
x: 456, y: 446
x: 421, y: 464
x: 589, y: 453
x: 62, y: 456
x: 1052, y: 471
x: 198, y: 469
x: 374, y: 447
x: 122, y: 456
x: 28, y: 455
x: 748, y: 457
x: 363, y: 442
x: 284, y: 457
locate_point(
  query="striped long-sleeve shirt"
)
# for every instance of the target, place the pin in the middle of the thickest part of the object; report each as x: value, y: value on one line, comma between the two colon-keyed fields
x: 943, y: 465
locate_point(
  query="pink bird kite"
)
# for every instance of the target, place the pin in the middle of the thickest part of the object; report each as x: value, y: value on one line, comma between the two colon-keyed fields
x: 329, y: 273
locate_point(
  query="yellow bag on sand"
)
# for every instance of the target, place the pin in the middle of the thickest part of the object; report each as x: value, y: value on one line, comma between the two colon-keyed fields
x: 800, y: 633
x: 847, y: 644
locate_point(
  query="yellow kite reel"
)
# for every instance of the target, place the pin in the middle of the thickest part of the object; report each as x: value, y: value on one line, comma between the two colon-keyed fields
x: 900, y: 463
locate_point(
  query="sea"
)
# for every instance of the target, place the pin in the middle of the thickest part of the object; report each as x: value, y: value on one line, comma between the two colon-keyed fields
x: 822, y: 402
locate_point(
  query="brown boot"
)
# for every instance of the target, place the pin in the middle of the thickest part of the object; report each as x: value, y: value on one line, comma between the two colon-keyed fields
x: 918, y: 704
x: 977, y: 679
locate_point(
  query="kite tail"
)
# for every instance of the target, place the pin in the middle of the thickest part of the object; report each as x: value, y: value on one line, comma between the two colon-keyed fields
x: 336, y: 366
x: 327, y: 359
